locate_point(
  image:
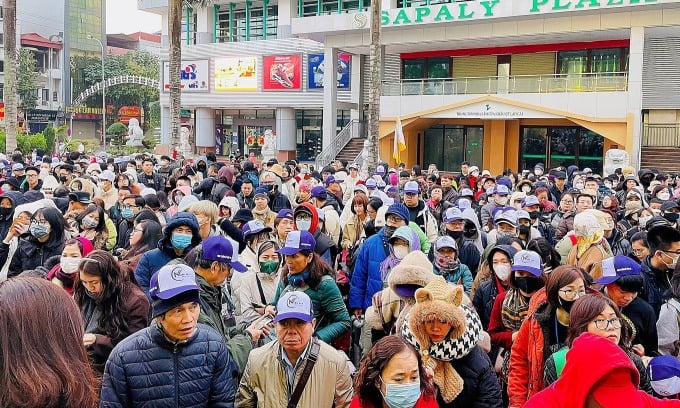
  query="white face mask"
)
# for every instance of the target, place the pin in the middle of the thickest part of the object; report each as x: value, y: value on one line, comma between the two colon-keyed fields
x: 400, y: 251
x: 502, y: 271
x: 578, y: 186
x: 643, y: 220
x: 526, y: 188
x: 538, y: 172
x: 663, y: 196
x: 69, y: 265
x: 475, y: 174
x: 501, y: 200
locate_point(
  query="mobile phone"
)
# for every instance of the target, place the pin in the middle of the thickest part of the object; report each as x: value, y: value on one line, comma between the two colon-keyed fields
x: 256, y: 305
x: 264, y: 322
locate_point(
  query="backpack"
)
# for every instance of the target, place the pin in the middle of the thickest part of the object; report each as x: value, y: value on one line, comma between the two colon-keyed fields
x: 253, y: 177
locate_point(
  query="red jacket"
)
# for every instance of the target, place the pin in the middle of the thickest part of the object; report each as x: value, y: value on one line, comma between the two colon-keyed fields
x: 423, y: 402
x: 500, y: 335
x: 599, y: 368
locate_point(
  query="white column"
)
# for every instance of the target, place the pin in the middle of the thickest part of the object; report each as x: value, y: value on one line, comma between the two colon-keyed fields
x: 635, y: 64
x: 330, y: 96
x: 286, y: 129
x: 205, y: 128
x: 287, y: 12
x: 204, y: 24
x: 355, y: 84
x: 165, y: 125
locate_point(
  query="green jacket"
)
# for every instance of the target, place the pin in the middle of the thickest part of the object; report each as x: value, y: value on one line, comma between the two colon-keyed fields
x: 330, y: 312
x: 237, y: 340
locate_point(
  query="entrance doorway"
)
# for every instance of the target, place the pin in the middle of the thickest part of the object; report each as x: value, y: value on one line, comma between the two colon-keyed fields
x: 448, y: 146
x: 561, y: 146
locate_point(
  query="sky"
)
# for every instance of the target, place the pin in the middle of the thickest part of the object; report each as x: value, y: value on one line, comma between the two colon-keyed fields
x: 122, y: 16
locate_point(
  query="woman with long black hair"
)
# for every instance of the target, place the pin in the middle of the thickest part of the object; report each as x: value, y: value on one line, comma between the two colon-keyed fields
x: 111, y: 305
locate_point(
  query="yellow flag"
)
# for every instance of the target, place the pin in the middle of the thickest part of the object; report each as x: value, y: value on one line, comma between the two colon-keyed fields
x: 399, y: 141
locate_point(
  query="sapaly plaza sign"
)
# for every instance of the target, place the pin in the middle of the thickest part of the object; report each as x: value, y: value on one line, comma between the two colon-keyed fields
x: 491, y: 9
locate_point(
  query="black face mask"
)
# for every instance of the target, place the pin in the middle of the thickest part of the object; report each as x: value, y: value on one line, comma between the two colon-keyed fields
x: 389, y: 231
x: 671, y: 217
x: 534, y: 215
x: 524, y: 229
x: 454, y: 234
x: 62, y: 179
x: 6, y: 212
x: 528, y: 284
x: 566, y: 304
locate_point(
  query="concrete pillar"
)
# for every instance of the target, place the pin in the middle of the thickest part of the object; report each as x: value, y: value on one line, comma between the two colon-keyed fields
x: 330, y: 96
x: 355, y: 85
x: 204, y: 24
x: 205, y: 130
x: 165, y: 125
x: 286, y: 129
x: 635, y: 64
x: 287, y: 12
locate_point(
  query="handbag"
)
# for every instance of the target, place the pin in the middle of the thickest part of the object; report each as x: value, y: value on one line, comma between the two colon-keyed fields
x: 306, y: 372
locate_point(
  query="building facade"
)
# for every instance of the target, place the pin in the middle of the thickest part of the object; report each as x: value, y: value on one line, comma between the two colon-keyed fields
x: 499, y: 83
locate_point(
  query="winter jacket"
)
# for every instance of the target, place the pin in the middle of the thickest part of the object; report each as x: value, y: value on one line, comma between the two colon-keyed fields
x: 147, y: 369
x: 486, y: 214
x: 423, y: 402
x: 529, y: 351
x: 591, y: 258
x: 31, y: 254
x: 265, y: 383
x: 332, y: 222
x: 16, y: 198
x: 422, y: 216
x: 461, y: 276
x: 550, y: 374
x: 278, y: 202
x: 155, y: 259
x: 249, y: 292
x: 485, y: 297
x: 566, y: 224
x: 238, y: 343
x: 352, y: 232
x: 481, y: 388
x: 330, y: 312
x: 641, y: 314
x: 136, y: 313
x: 592, y: 360
x: 205, y: 187
x: 246, y: 201
x: 656, y: 285
x: 619, y: 244
x: 668, y: 326
x: 366, y: 279
x: 154, y: 181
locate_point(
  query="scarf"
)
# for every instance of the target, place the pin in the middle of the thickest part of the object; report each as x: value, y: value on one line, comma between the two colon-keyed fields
x: 386, y: 267
x: 439, y: 355
x: 260, y: 214
x: 66, y: 280
x: 514, y: 309
x: 583, y: 243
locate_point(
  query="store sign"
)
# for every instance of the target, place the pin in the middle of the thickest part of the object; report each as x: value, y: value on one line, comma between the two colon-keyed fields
x: 193, y: 76
x: 282, y: 72
x: 487, y: 9
x: 316, y: 70
x: 83, y: 110
x: 236, y: 74
x: 44, y: 116
x: 125, y: 113
x: 491, y: 110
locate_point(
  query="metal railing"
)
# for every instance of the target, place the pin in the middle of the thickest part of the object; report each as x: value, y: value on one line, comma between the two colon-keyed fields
x: 663, y: 135
x: 328, y: 154
x: 553, y: 83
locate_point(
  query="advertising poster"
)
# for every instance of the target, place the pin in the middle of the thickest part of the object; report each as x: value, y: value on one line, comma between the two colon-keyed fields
x: 236, y: 74
x: 282, y: 72
x: 316, y: 70
x: 193, y: 76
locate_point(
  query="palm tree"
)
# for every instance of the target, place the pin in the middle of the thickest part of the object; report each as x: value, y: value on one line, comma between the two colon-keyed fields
x: 174, y: 65
x: 10, y: 94
x: 375, y: 62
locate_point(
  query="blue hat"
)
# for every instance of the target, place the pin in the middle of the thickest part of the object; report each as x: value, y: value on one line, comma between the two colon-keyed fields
x: 297, y: 241
x: 171, y: 286
x: 285, y: 213
x: 528, y: 261
x: 261, y: 191
x: 400, y: 210
x: 507, y: 216
x: 466, y: 192
x: 452, y: 214
x: 331, y: 179
x: 617, y: 266
x: 504, y: 181
x: 221, y: 249
x: 411, y: 187
x: 529, y: 201
x: 254, y: 227
x: 319, y: 192
x: 294, y: 305
x: 380, y: 170
x: 540, y: 166
x: 664, y: 375
x: 371, y: 183
x: 501, y: 189
x: 463, y: 204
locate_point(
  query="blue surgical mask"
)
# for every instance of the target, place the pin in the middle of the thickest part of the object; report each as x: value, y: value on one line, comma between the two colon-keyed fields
x: 39, y: 230
x: 303, y: 225
x: 181, y: 241
x: 127, y: 213
x: 401, y: 395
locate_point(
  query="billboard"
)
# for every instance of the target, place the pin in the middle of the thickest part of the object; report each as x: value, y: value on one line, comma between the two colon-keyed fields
x: 194, y: 76
x: 282, y: 72
x: 236, y: 74
x: 316, y: 70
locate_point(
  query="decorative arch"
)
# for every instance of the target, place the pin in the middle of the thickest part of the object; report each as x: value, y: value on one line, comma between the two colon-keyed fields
x: 119, y: 80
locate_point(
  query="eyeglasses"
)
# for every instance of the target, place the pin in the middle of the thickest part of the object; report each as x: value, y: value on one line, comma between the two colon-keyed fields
x: 394, y: 218
x: 129, y: 207
x: 639, y: 251
x: 31, y: 175
x: 571, y: 294
x: 567, y: 202
x: 603, y: 324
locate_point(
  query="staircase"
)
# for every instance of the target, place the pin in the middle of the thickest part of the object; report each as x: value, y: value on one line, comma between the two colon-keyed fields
x: 348, y: 135
x: 351, y: 150
x: 664, y: 159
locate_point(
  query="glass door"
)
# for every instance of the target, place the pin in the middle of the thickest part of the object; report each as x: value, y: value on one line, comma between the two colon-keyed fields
x: 474, y: 144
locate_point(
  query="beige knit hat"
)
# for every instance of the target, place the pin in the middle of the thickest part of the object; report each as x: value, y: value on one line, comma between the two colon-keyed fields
x: 413, y: 272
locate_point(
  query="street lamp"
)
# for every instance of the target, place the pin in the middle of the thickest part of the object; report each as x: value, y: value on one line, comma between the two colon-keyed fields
x: 91, y: 37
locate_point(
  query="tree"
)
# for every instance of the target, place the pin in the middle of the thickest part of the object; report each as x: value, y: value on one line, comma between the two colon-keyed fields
x: 117, y: 132
x: 174, y: 65
x: 27, y: 84
x: 10, y: 94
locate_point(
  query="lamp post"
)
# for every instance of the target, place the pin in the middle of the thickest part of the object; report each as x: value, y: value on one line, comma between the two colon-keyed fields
x: 91, y: 37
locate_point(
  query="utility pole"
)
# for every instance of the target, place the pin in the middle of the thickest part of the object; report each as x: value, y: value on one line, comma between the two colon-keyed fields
x: 375, y: 55
x: 91, y: 37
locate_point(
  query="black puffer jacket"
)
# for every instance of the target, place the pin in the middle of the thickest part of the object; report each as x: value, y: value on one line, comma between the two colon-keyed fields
x: 16, y: 198
x: 30, y: 254
x: 147, y: 369
x: 481, y: 388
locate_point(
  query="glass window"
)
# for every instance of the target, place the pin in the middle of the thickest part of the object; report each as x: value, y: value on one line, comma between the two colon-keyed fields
x: 572, y: 62
x: 605, y: 60
x: 439, y: 67
x: 413, y: 69
x: 533, y: 147
x: 238, y: 17
x: 309, y: 134
x: 449, y: 146
x: 561, y: 146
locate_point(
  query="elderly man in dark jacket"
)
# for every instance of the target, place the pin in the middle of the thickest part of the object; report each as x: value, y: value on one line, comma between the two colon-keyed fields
x: 176, y: 362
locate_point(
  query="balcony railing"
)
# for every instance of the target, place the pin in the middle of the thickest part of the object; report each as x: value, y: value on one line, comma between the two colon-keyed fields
x: 665, y: 135
x: 588, y: 82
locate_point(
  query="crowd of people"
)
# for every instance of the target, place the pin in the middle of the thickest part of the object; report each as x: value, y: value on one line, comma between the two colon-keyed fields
x: 156, y: 282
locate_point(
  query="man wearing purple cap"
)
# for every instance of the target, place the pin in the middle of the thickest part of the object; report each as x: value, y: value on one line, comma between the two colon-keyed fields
x: 325, y: 203
x: 283, y: 224
x: 498, y: 197
x: 275, y: 375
